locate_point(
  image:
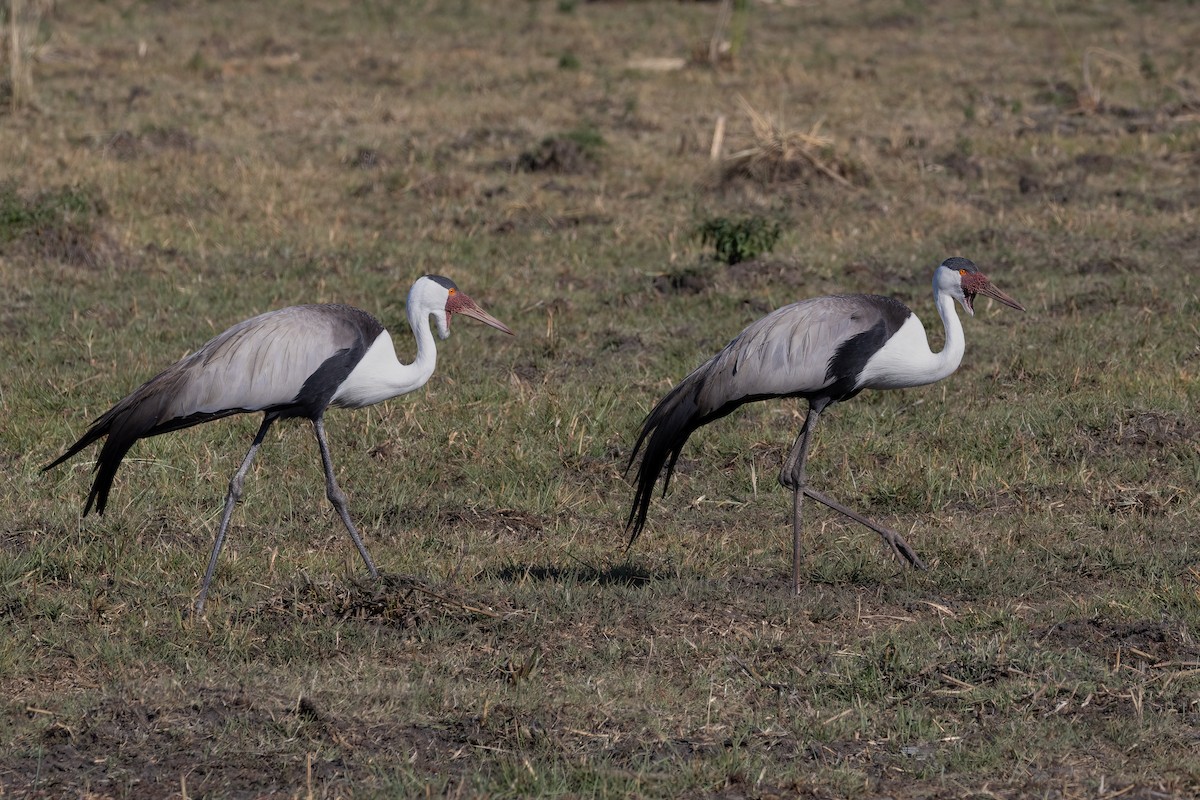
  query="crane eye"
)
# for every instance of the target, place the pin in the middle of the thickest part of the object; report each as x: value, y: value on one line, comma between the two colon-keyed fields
x: 960, y: 272
x: 453, y: 291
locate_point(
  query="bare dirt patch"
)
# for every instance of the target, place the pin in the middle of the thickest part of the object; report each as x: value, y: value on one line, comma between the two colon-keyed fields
x: 1147, y: 640
x: 1142, y: 431
x: 141, y: 747
x: 399, y: 601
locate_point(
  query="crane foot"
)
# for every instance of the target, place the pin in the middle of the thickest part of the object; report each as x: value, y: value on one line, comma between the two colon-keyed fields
x: 893, y: 539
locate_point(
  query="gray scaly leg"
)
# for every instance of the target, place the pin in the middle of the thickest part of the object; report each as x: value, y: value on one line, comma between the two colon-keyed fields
x: 338, y: 497
x: 231, y: 499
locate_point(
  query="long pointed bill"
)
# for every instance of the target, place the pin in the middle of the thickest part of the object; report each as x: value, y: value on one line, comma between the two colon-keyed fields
x: 980, y: 284
x: 469, y: 308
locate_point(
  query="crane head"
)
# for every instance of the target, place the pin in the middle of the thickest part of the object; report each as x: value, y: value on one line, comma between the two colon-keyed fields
x: 962, y: 280
x: 440, y: 297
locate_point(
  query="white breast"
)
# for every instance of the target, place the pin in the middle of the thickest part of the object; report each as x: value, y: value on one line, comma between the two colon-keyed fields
x: 375, y: 378
x: 904, y: 360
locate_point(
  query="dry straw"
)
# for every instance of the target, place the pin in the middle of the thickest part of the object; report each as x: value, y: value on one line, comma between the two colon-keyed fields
x: 23, y: 19
x: 779, y: 155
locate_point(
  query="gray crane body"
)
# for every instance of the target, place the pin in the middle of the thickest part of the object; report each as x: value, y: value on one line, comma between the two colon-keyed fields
x: 293, y: 362
x: 825, y: 350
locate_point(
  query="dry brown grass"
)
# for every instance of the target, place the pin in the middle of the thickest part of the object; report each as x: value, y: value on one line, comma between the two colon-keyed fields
x: 23, y: 20
x: 241, y: 159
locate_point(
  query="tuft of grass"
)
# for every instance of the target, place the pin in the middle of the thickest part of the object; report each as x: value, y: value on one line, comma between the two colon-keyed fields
x: 65, y: 224
x: 568, y: 61
x: 573, y: 152
x: 21, y: 216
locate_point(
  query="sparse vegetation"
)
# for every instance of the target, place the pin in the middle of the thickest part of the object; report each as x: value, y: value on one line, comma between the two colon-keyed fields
x: 737, y: 240
x: 225, y: 158
x: 63, y: 224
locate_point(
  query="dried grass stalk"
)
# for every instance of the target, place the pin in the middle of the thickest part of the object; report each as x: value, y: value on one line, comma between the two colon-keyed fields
x: 781, y: 155
x: 23, y: 21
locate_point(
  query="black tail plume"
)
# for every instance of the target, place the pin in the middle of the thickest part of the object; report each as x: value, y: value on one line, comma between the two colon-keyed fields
x: 664, y: 434
x: 134, y: 417
x: 93, y: 433
x: 123, y: 426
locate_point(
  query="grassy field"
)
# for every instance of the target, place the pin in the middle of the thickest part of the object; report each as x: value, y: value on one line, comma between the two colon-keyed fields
x: 170, y: 168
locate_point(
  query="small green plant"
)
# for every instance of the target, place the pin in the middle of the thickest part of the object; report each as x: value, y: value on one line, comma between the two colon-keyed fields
x: 198, y: 63
x: 568, y: 60
x: 735, y: 240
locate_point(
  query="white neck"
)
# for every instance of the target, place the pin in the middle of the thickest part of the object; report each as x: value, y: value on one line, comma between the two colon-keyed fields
x: 945, y: 362
x: 380, y: 376
x: 906, y: 359
x: 418, y: 372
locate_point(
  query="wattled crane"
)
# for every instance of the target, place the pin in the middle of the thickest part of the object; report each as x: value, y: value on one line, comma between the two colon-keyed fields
x: 293, y: 362
x: 825, y: 350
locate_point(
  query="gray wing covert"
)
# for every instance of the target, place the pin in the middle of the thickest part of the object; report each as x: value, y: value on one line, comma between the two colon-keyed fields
x: 787, y: 352
x: 265, y: 361
x: 261, y: 363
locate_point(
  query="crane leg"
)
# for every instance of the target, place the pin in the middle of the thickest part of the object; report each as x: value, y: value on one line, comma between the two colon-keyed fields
x: 231, y: 499
x: 793, y: 477
x: 338, y: 497
x: 894, y: 540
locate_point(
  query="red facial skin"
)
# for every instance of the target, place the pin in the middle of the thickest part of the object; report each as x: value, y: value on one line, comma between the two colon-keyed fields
x: 459, y: 303
x: 974, y: 283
